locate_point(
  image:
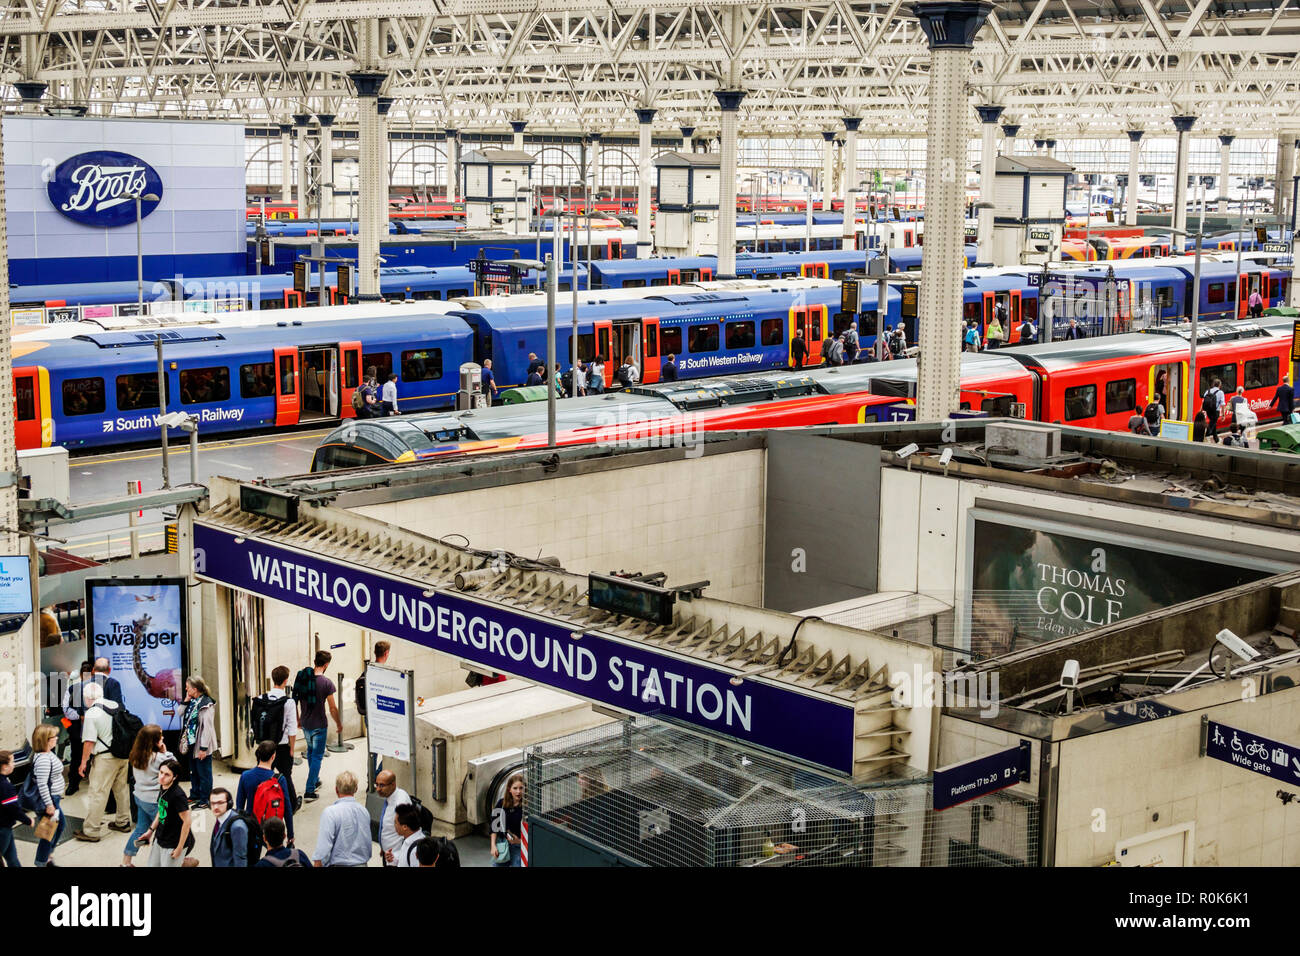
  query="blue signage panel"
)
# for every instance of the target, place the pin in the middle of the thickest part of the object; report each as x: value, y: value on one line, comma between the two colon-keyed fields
x: 960, y: 782
x: 1138, y: 712
x: 620, y: 674
x: 15, y: 584
x: 1249, y: 751
x: 93, y: 188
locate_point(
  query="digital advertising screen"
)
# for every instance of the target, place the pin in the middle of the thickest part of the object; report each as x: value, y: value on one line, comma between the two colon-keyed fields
x: 15, y: 584
x: 140, y: 626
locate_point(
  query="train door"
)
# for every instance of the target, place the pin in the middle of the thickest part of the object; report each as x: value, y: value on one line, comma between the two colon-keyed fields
x: 674, y: 276
x: 351, y: 376
x: 989, y: 307
x: 626, y: 343
x: 33, y: 423
x: 1166, y: 385
x: 286, y: 387
x: 650, y: 350
x: 808, y: 321
x: 318, y: 375
x: 604, y: 347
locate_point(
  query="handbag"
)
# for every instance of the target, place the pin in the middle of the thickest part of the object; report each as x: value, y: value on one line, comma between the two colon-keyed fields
x: 46, y: 826
x: 29, y: 798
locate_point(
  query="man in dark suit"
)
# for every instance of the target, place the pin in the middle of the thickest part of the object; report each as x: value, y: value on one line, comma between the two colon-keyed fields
x: 669, y: 372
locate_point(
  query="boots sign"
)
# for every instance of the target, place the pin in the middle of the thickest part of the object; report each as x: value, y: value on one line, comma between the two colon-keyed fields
x: 98, y: 188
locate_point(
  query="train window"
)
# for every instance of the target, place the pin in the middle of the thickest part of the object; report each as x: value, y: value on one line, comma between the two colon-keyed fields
x: 268, y: 304
x: 201, y: 386
x: 773, y: 331
x: 425, y: 294
x: 139, y: 391
x: 1261, y: 373
x: 458, y: 293
x: 971, y: 310
x: 1226, y: 374
x: 25, y: 395
x: 287, y: 375
x: 670, y: 341
x: 84, y: 396
x: 1121, y: 396
x: 1277, y: 289
x: 658, y: 280
x: 421, y: 365
x: 395, y: 297
x: 839, y: 273
x: 586, y: 347
x: 381, y: 362
x: 1215, y: 293
x: 1164, y: 298
x: 1029, y: 307
x: 257, y: 380
x: 1080, y: 402
x: 634, y: 283
x: 999, y: 407
x: 704, y: 338
x: 740, y: 335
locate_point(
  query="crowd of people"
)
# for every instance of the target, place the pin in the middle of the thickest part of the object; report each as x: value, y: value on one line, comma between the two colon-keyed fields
x: 1242, y: 419
x: 119, y: 758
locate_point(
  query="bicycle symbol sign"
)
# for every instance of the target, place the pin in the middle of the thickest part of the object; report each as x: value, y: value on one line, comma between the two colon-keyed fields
x: 1250, y: 751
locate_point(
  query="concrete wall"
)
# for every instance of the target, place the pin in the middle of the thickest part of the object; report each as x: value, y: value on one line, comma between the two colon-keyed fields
x: 823, y: 502
x: 696, y: 519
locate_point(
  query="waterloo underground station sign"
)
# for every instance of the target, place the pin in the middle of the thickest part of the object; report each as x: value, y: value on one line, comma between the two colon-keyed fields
x: 94, y: 188
x: 622, y: 674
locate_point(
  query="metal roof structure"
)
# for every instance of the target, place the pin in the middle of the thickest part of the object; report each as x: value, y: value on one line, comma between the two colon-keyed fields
x: 1059, y: 67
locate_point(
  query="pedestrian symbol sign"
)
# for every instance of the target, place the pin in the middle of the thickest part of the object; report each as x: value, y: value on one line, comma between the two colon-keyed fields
x: 1250, y: 751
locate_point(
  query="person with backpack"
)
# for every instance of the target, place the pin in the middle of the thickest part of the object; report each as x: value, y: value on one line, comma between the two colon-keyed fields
x: 11, y: 814
x: 43, y: 789
x: 437, y: 851
x: 105, y: 725
x: 971, y: 339
x: 798, y: 349
x: 1137, y: 422
x: 277, y: 854
x: 232, y: 834
x: 315, y: 695
x: 407, y: 822
x: 1153, y: 414
x: 1212, y: 404
x: 199, y: 738
x: 851, y: 343
x: 274, y: 717
x: 263, y: 792
x: 148, y: 753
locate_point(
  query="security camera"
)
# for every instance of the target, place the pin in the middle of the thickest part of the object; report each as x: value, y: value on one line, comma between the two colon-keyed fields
x: 945, y: 457
x: 1070, y: 674
x: 908, y: 450
x: 1235, y: 644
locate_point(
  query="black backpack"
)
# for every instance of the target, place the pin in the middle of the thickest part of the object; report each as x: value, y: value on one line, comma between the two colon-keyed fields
x: 1152, y: 414
x: 266, y: 718
x: 283, y: 862
x: 126, y: 726
x: 360, y: 689
x: 304, y: 687
x: 1210, y: 405
x: 254, y: 835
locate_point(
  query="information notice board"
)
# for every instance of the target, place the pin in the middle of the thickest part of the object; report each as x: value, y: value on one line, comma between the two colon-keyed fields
x: 390, y: 712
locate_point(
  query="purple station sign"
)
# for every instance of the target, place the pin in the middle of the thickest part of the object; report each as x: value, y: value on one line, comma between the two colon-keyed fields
x: 609, y: 671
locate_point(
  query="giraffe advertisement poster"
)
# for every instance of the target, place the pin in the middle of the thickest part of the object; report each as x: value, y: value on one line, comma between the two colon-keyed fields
x: 139, y: 625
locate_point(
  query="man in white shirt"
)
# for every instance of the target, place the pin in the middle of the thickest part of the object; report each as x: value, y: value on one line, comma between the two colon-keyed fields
x: 108, y: 773
x: 408, y: 828
x: 388, y: 396
x: 394, y: 797
x: 284, y: 746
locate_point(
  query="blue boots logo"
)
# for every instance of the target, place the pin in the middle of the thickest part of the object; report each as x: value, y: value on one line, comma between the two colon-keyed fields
x: 99, y: 188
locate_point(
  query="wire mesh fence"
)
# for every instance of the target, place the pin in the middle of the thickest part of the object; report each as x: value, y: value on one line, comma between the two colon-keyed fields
x: 650, y: 794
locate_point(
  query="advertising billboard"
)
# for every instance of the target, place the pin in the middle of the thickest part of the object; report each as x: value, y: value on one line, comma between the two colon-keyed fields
x: 139, y: 624
x: 1034, y: 581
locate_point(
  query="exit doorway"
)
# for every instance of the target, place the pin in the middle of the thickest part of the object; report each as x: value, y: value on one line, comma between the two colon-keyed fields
x: 320, y: 383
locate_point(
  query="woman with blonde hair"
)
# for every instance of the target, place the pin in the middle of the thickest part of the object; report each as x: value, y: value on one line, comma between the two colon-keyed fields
x: 507, y: 824
x: 148, y: 753
x: 199, y: 738
x: 47, y: 768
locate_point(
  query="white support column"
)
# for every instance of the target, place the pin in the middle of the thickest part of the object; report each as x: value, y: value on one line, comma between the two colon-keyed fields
x: 1009, y: 132
x: 828, y: 170
x: 453, y: 185
x: 1225, y: 167
x: 286, y: 154
x: 300, y: 120
x: 18, y: 652
x: 989, y: 116
x: 1282, y: 185
x: 729, y: 103
x: 688, y: 141
x: 384, y: 104
x: 950, y: 29
x: 325, y: 175
x: 517, y: 127
x: 646, y: 118
x: 851, y: 124
x: 1183, y: 124
x: 595, y: 167
x: 372, y: 219
x: 1131, y: 190
x: 1040, y: 147
x: 1050, y: 145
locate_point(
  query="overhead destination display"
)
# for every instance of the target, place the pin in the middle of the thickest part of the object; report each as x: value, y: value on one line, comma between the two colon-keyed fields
x: 621, y: 674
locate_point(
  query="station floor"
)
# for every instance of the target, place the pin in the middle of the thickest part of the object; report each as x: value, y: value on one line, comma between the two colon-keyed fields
x: 108, y: 851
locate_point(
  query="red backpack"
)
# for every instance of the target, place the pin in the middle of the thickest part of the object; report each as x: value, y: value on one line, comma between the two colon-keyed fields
x: 269, y: 799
